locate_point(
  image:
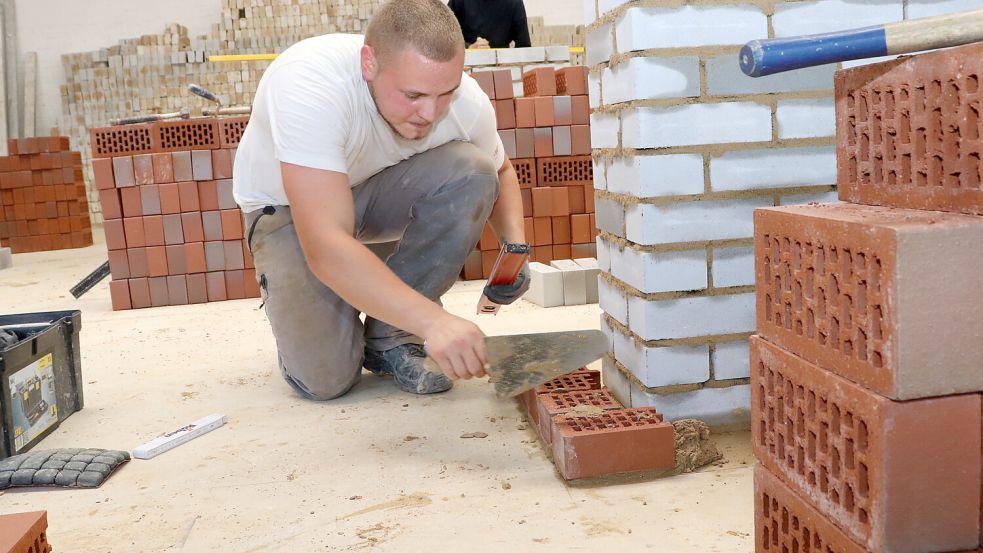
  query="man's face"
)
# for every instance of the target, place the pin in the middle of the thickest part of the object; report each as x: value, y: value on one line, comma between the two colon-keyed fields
x: 410, y: 91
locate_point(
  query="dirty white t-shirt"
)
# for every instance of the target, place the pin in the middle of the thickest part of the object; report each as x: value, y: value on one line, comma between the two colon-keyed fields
x: 313, y: 109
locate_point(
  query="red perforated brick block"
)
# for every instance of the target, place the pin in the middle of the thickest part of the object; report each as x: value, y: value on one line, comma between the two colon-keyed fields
x: 525, y: 169
x: 131, y: 202
x: 231, y: 129
x: 153, y: 230
x: 191, y: 227
x: 159, y: 297
x: 201, y: 165
x: 884, y: 297
x: 623, y: 440
x: 119, y: 266
x: 543, y: 111
x: 580, y: 231
x: 571, y: 81
x: 895, y: 476
x: 561, y: 403
x: 137, y: 261
x: 173, y: 230
x: 783, y: 522
x: 156, y: 261
x: 231, y: 224
x: 580, y: 108
x: 503, y: 84
x: 115, y: 235
x: 197, y: 289
x: 110, y: 202
x: 908, y: 131
x: 540, y: 81
x: 170, y: 198
x: 561, y: 203
x: 139, y: 292
x: 177, y: 263
x: 561, y: 233
x: 488, y: 241
x: 486, y: 80
x: 226, y: 200
x: 580, y: 140
x: 525, y: 143
x: 542, y: 144
x: 505, y: 113
x: 188, y: 196
x: 235, y: 287
x: 542, y: 202
x: 186, y: 134
x: 251, y: 284
x: 211, y: 225
x: 102, y: 173
x: 214, y: 256
x: 163, y: 168
x: 234, y: 260
x: 472, y: 266
x: 123, y: 171
x: 575, y: 381
x: 215, y: 286
x: 143, y: 169
x: 119, y: 294
x: 208, y: 195
x: 194, y: 257
x: 177, y: 290
x: 488, y: 258
x: 150, y: 199
x: 576, y: 199
x: 525, y: 112
x: 565, y: 171
x: 526, y: 194
x: 122, y: 140
x: 24, y: 533
x: 181, y: 165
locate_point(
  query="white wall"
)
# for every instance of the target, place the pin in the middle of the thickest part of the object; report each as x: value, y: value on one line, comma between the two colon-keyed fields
x: 55, y: 27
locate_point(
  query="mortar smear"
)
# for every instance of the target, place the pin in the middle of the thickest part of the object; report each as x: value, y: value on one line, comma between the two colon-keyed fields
x: 693, y: 446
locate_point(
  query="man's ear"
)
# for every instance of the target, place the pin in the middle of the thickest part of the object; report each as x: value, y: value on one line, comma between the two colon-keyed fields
x: 370, y: 64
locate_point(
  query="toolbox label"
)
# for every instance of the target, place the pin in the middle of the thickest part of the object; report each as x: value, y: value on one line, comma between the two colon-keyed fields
x: 32, y: 396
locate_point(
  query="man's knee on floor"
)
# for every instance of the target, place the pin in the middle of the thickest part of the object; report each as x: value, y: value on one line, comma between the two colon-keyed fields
x: 321, y: 389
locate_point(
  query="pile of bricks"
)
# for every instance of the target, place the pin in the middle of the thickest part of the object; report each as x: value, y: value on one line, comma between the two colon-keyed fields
x: 589, y: 432
x: 865, y: 374
x: 546, y: 134
x: 563, y: 282
x: 24, y: 533
x: 173, y: 229
x: 43, y: 203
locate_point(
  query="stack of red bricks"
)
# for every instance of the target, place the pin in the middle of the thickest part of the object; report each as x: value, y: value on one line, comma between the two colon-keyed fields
x: 590, y: 434
x: 866, y: 371
x: 42, y: 196
x: 173, y: 229
x: 546, y: 134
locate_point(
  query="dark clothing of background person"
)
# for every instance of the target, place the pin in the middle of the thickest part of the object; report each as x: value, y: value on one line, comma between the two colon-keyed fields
x: 497, y: 21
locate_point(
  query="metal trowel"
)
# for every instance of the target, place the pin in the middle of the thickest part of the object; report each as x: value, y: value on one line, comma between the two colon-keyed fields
x: 520, y: 362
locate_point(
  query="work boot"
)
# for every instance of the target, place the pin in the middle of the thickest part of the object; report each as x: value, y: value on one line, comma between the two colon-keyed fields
x: 405, y: 364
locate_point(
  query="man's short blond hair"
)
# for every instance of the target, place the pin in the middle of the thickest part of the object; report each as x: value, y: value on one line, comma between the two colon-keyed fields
x: 428, y: 26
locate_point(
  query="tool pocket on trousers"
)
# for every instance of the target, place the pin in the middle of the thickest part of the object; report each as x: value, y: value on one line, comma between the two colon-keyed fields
x: 268, y: 210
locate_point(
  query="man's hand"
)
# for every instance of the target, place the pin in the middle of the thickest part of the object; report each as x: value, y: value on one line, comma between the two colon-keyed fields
x: 505, y: 294
x: 480, y: 43
x: 458, y: 347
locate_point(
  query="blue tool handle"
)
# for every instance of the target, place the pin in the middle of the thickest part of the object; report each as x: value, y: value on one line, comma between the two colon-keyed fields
x: 765, y: 57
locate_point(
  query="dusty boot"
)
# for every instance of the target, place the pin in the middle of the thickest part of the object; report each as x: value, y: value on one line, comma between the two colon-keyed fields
x: 405, y: 364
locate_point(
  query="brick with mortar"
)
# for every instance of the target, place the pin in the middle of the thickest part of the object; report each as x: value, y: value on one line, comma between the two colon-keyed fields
x: 656, y: 367
x: 725, y: 78
x: 574, y: 281
x: 655, y: 272
x: 650, y: 78
x: 695, y: 124
x: 649, y: 224
x: 691, y: 317
x: 689, y: 26
x: 730, y: 360
x: 805, y: 118
x: 759, y: 169
x: 826, y: 16
x: 733, y: 267
x: 658, y: 175
x: 613, y: 301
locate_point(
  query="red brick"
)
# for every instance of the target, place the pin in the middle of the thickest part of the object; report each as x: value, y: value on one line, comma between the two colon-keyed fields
x: 173, y: 231
x: 542, y: 202
x: 540, y: 81
x: 580, y: 231
x: 251, y: 284
x: 503, y: 84
x: 857, y: 290
x: 119, y: 294
x: 233, y: 255
x: 214, y: 256
x: 575, y: 381
x: 543, y: 230
x: 156, y: 261
x: 486, y: 80
x: 225, y: 198
x: 24, y: 532
x: 231, y: 129
x: 181, y: 165
x: 562, y: 115
x: 525, y: 143
x: 562, y: 251
x: 177, y: 290
x: 215, y: 286
x: 115, y: 235
x: 505, y: 113
x: 159, y: 296
x: 580, y: 110
x: 139, y: 292
x: 580, y: 140
x: 102, y: 173
x: 163, y: 168
x: 549, y: 405
x: 526, y: 194
x: 177, y: 263
x: 232, y: 224
x: 589, y: 205
x: 561, y: 201
x: 194, y: 256
x: 119, y: 267
x: 565, y: 171
x: 120, y: 140
x: 623, y: 440
x: 201, y: 165
x: 507, y: 136
x: 143, y: 169
x: 208, y: 195
x: 130, y: 200
x: 488, y: 241
x: 137, y: 258
x: 235, y: 287
x: 784, y: 522
x: 212, y: 225
x: 561, y: 231
x: 472, y: 266
x: 111, y: 206
x: 576, y: 199
x: 188, y: 194
x: 221, y: 164
x: 191, y: 227
x: 895, y: 476
x: 525, y: 113
x: 247, y: 256
x: 543, y: 111
x: 153, y: 230
x: 571, y: 81
x: 197, y: 291
x: 170, y: 198
x: 543, y: 143
x: 908, y: 132
x: 123, y: 171
x: 488, y: 258
x: 150, y: 199
x: 187, y: 134
x: 525, y: 170
x: 136, y: 236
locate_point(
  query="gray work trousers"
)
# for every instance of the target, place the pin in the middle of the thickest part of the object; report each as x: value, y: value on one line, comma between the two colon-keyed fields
x: 428, y: 211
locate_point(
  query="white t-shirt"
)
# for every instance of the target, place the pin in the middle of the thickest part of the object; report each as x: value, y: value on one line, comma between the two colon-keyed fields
x: 313, y: 108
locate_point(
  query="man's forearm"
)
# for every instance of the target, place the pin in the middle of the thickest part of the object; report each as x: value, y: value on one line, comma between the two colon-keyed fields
x: 506, y: 217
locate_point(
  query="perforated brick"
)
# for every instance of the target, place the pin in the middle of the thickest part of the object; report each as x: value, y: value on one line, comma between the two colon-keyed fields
x: 888, y: 298
x: 24, y: 533
x: 908, y: 131
x: 122, y: 140
x: 894, y: 476
x: 622, y: 440
x: 526, y: 171
x: 564, y: 171
x: 189, y: 134
x: 231, y: 129
x: 539, y: 82
x: 582, y: 379
x: 563, y: 403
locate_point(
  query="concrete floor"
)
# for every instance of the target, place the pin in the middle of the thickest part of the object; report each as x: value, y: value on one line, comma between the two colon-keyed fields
x: 378, y: 469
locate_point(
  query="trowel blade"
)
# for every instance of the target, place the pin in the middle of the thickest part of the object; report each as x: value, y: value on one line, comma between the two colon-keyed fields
x: 520, y: 362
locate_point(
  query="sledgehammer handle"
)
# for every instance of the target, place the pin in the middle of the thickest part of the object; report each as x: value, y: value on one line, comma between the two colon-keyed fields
x: 766, y: 57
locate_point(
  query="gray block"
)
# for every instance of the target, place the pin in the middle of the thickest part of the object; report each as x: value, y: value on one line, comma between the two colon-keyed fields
x: 6, y: 258
x: 545, y: 285
x: 574, y: 282
x: 590, y: 265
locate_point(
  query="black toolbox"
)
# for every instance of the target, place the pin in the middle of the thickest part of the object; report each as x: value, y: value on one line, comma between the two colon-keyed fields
x: 40, y: 377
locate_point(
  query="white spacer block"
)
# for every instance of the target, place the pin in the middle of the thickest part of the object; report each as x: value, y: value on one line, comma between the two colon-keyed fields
x: 590, y: 265
x: 545, y: 285
x: 574, y: 281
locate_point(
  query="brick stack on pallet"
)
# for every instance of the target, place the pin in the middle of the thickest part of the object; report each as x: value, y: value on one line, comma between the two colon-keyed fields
x: 590, y: 434
x: 546, y: 134
x: 866, y: 369
x: 43, y: 203
x: 173, y: 230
